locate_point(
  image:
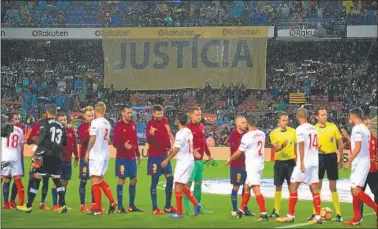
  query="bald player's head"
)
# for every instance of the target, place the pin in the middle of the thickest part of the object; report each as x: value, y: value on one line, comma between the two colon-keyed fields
x: 241, y: 123
x: 302, y: 115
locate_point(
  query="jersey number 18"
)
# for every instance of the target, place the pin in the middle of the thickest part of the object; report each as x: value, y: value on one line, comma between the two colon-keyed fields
x: 12, y: 141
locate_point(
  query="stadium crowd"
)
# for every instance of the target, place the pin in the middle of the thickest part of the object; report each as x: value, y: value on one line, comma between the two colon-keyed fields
x: 185, y: 13
x: 76, y: 80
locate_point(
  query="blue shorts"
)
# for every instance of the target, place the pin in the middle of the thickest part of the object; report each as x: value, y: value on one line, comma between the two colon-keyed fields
x: 237, y: 176
x: 154, y: 168
x: 66, y: 171
x: 84, y: 170
x: 125, y: 168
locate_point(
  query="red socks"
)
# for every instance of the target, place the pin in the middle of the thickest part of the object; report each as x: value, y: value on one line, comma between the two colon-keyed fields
x: 356, y: 209
x: 244, y: 202
x: 363, y: 197
x: 179, y: 202
x: 96, y: 190
x: 20, y: 191
x: 190, y: 196
x: 261, y: 202
x: 292, y: 202
x: 317, y: 203
x: 108, y: 192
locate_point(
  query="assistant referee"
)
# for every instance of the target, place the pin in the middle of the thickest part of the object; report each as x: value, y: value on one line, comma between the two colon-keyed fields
x: 283, y: 139
x: 329, y: 141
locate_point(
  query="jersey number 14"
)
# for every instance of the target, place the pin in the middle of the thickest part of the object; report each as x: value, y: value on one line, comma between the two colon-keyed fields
x: 313, y: 140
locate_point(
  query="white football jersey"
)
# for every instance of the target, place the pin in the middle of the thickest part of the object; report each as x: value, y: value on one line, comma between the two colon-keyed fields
x: 253, y: 146
x: 360, y: 133
x: 307, y: 133
x: 100, y: 127
x: 184, y: 141
x: 11, y: 146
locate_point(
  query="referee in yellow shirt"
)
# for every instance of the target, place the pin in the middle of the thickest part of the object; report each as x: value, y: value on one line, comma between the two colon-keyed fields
x: 283, y: 139
x: 330, y: 140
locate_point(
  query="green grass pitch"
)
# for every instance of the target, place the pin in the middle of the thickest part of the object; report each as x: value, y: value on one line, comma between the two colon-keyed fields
x: 220, y: 204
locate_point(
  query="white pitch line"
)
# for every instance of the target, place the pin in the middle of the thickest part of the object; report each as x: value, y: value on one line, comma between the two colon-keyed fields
x: 306, y: 224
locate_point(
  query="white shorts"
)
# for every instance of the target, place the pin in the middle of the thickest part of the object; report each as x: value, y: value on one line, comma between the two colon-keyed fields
x: 360, y: 171
x: 254, y: 175
x: 311, y: 176
x: 14, y: 169
x: 98, y: 167
x: 183, y: 171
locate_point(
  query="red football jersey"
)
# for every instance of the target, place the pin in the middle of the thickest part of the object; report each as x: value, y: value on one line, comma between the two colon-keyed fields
x: 83, y: 132
x: 124, y: 132
x: 71, y: 147
x: 234, y: 141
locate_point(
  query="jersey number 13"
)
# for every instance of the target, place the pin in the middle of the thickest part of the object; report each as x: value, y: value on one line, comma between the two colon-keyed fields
x: 56, y: 135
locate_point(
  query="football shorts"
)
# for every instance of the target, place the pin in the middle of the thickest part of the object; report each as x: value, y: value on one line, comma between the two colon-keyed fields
x: 98, y: 167
x: 310, y: 176
x: 359, y: 173
x: 14, y: 168
x: 183, y: 171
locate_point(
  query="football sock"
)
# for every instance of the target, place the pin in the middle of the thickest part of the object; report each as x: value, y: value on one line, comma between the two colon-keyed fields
x: 93, y: 200
x: 356, y: 209
x: 313, y: 208
x: 244, y: 202
x: 186, y: 200
x: 246, y: 207
x: 261, y: 203
x: 132, y: 191
x: 54, y: 194
x: 120, y: 195
x: 190, y: 196
x: 33, y: 191
x: 96, y: 190
x: 61, y: 190
x: 336, y: 202
x: 363, y: 197
x: 20, y: 191
x: 317, y: 203
x: 45, y: 189
x: 108, y: 192
x: 197, y: 192
x: 30, y: 181
x: 277, y: 201
x: 168, y: 192
x: 13, y: 192
x: 82, y: 191
x: 234, y: 200
x: 292, y: 202
x: 154, y: 183
x: 6, y: 191
x: 179, y: 201
x: 361, y: 210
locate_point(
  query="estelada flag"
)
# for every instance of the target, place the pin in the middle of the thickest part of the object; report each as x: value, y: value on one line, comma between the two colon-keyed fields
x: 297, y: 98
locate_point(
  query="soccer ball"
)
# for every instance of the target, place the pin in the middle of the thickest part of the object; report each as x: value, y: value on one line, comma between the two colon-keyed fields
x: 326, y: 213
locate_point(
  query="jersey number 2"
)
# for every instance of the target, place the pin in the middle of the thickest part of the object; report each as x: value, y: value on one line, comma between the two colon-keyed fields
x: 259, y: 147
x: 12, y: 141
x: 190, y: 143
x: 313, y: 140
x: 106, y: 134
